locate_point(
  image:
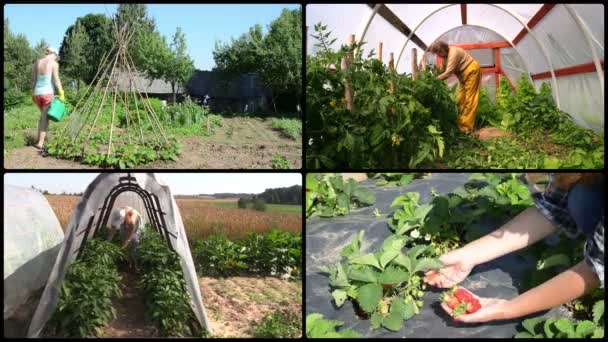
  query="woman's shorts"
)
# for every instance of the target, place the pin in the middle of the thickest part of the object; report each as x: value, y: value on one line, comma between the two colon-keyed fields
x: 43, y: 101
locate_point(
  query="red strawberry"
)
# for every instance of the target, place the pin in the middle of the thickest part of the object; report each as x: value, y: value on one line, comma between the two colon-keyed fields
x: 473, y: 306
x: 452, y: 302
x: 463, y: 295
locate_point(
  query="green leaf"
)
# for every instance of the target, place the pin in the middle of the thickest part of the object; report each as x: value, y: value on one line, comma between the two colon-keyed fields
x: 387, y: 257
x: 523, y: 335
x: 547, y: 327
x: 339, y: 297
x: 404, y: 261
x: 311, y: 319
x: 584, y: 328
x: 598, y: 311
x: 426, y: 264
x: 367, y: 259
x: 530, y: 324
x: 365, y: 275
x: 554, y: 260
x: 564, y: 325
x: 393, y: 321
x: 598, y: 333
x: 415, y: 251
x: 393, y: 275
x: 365, y: 196
x: 354, y: 247
x: 406, y: 179
x: 339, y: 278
x: 369, y: 296
x: 376, y: 320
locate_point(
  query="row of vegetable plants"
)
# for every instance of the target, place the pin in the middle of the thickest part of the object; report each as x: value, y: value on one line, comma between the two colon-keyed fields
x: 398, y: 121
x: 167, y: 300
x: 384, y: 286
x: 90, y: 285
x: 275, y: 253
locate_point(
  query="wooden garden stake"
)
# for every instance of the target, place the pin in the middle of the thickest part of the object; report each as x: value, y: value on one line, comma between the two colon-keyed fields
x: 414, y: 63
x: 380, y: 51
x: 348, y: 89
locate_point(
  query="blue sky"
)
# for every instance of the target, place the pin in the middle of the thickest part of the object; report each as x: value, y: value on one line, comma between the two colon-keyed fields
x: 180, y: 183
x: 202, y: 24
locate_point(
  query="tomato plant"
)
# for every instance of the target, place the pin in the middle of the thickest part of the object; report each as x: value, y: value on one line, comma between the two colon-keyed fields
x: 385, y: 129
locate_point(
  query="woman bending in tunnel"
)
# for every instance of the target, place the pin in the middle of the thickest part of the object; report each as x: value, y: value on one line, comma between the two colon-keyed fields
x: 574, y: 202
x: 128, y: 222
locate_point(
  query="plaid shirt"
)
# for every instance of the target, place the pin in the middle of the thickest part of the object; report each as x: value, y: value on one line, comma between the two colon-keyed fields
x: 553, y: 204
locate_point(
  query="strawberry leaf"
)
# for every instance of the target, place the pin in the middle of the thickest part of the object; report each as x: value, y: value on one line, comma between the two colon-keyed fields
x: 598, y: 311
x: 366, y: 274
x: 368, y: 259
x: 369, y: 296
x: 339, y: 297
x: 393, y: 275
x: 393, y: 321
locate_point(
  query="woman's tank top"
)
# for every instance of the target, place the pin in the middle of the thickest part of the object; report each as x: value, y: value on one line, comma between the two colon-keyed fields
x: 43, y: 85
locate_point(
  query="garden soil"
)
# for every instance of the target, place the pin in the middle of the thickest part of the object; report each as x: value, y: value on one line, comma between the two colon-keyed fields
x: 241, y: 143
x: 236, y: 305
x: 325, y: 238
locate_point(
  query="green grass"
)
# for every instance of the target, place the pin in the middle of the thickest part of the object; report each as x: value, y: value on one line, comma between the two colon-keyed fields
x: 17, y: 123
x: 279, y: 208
x: 292, y: 128
x: 279, y: 325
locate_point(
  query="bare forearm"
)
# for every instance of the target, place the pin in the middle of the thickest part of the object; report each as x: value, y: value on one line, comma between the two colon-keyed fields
x: 560, y: 289
x: 525, y: 229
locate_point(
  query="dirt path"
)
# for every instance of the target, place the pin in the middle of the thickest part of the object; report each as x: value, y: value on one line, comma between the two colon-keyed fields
x: 130, y: 309
x: 236, y: 305
x: 241, y: 143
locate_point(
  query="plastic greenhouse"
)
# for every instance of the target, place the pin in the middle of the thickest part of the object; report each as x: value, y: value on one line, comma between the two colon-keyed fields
x: 560, y: 44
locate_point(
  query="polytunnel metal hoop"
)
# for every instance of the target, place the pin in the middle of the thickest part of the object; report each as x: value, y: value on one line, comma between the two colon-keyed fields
x: 587, y: 34
x: 527, y: 71
x: 151, y: 205
x: 516, y: 17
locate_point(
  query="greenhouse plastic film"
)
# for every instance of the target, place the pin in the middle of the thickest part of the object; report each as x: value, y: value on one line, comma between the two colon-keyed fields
x: 89, y: 206
x: 325, y: 238
x: 32, y: 238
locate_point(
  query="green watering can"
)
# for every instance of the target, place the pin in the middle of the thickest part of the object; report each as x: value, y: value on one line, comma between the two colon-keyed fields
x: 57, y: 109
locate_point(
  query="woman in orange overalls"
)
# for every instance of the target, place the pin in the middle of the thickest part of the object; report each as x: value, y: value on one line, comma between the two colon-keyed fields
x: 468, y: 72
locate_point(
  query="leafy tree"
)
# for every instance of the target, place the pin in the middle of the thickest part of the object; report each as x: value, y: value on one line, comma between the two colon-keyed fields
x: 242, y: 55
x: 154, y: 54
x: 180, y: 66
x: 74, y: 57
x: 18, y: 57
x: 40, y: 49
x: 276, y: 58
x: 136, y: 17
x: 282, y: 67
x: 259, y: 204
x: 98, y: 29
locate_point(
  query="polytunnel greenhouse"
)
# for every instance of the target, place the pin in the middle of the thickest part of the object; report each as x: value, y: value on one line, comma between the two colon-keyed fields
x: 374, y: 98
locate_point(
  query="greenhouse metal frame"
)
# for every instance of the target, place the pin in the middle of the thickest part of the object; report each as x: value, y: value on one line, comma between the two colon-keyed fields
x: 559, y: 43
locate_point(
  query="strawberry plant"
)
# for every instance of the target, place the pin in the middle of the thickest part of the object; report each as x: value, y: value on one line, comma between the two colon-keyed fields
x: 394, y: 179
x: 460, y: 301
x: 565, y: 328
x: 384, y: 286
x: 318, y: 327
x: 329, y: 195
